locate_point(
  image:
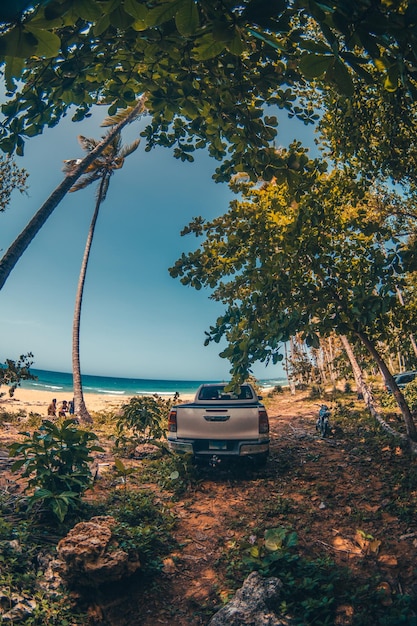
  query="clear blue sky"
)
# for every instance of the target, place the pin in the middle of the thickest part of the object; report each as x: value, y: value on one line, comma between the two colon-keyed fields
x: 136, y: 320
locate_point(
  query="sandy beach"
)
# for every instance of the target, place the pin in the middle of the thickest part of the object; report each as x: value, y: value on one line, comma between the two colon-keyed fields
x: 38, y: 401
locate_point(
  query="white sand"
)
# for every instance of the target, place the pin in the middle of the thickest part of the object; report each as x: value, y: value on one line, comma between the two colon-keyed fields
x: 38, y: 401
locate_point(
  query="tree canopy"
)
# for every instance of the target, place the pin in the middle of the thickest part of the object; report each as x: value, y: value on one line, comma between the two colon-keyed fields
x: 331, y: 262
x: 11, y: 177
x: 374, y: 131
x: 13, y: 372
x: 208, y: 68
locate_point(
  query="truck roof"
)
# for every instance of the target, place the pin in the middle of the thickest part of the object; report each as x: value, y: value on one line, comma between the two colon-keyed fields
x: 216, y: 391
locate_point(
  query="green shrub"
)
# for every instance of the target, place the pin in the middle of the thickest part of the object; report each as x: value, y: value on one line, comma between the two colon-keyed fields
x: 313, y: 589
x: 142, y: 420
x: 56, y: 460
x: 175, y: 472
x: 387, y: 400
x: 410, y: 394
x: 143, y: 527
x: 21, y: 542
x: 315, y: 392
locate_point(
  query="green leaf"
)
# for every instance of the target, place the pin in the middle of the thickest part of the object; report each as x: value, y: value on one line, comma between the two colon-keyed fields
x: 174, y: 475
x: 341, y: 76
x: 136, y: 10
x: 41, y: 494
x: 14, y: 68
x: 236, y: 45
x: 60, y: 508
x: 163, y: 13
x: 88, y: 10
x: 254, y: 552
x: 101, y: 25
x: 316, y: 46
x: 391, y: 80
x: 274, y: 538
x: 119, y: 465
x: 187, y: 18
x: 48, y: 44
x: 17, y: 465
x: 207, y: 48
x: 315, y: 65
x: 18, y: 43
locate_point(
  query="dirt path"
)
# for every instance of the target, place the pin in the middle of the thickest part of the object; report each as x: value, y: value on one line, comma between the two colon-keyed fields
x: 344, y: 496
x: 332, y: 492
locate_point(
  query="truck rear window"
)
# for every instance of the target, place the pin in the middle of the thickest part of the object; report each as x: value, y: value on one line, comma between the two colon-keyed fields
x: 218, y: 393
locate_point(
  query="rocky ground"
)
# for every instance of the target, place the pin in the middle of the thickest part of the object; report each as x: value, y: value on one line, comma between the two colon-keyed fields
x: 344, y: 496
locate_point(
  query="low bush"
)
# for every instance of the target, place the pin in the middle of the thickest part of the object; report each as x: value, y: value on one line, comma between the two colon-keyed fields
x: 142, y: 420
x: 55, y: 459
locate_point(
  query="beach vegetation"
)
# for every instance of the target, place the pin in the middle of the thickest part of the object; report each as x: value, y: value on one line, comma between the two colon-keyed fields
x: 143, y: 527
x: 142, y: 420
x: 313, y: 589
x: 56, y: 461
x: 12, y: 417
x: 12, y: 373
x: 185, y: 521
x: 176, y: 473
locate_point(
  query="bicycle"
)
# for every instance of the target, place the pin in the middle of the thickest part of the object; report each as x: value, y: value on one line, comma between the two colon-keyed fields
x: 323, y: 423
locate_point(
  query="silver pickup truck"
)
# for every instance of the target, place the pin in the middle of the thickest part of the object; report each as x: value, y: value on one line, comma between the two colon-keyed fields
x: 219, y: 424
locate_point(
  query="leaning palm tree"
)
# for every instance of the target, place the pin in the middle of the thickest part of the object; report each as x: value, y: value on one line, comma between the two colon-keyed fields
x: 23, y: 240
x: 100, y: 169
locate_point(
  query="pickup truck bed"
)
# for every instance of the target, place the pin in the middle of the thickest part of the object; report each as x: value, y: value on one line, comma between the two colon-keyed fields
x: 220, y: 423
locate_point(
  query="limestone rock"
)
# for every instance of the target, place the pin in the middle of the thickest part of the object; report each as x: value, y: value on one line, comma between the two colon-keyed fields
x: 90, y: 555
x: 255, y: 604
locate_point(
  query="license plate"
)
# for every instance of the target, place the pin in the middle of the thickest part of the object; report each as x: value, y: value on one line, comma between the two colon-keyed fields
x: 217, y: 445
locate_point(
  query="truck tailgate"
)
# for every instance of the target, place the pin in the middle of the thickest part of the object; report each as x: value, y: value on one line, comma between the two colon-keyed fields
x: 217, y: 422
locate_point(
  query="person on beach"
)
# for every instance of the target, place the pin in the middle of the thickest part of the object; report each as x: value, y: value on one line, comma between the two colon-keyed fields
x: 71, y: 407
x: 64, y: 409
x: 52, y: 408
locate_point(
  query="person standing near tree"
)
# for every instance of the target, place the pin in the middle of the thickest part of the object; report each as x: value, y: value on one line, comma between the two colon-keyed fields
x: 52, y: 408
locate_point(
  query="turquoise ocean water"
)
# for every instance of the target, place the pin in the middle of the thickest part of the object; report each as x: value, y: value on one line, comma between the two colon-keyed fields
x: 62, y: 381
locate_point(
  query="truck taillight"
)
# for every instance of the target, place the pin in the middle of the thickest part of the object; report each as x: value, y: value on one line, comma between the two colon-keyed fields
x: 263, y: 422
x: 172, y: 421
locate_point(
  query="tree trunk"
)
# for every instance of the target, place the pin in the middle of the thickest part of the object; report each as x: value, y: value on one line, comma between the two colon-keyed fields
x: 80, y: 408
x: 22, y: 241
x: 403, y: 406
x: 367, y: 392
x: 361, y: 386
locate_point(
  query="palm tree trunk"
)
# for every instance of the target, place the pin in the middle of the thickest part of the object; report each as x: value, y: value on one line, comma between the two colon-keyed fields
x: 22, y: 241
x: 80, y: 408
x: 365, y: 390
x: 396, y: 392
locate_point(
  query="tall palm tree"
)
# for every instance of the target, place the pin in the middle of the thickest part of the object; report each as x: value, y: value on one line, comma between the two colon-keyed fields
x: 101, y: 169
x: 22, y: 241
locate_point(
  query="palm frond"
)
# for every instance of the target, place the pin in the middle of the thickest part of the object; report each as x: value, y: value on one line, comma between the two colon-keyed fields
x: 112, y: 120
x: 85, y: 181
x: 70, y: 165
x: 126, y: 150
x: 87, y: 144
